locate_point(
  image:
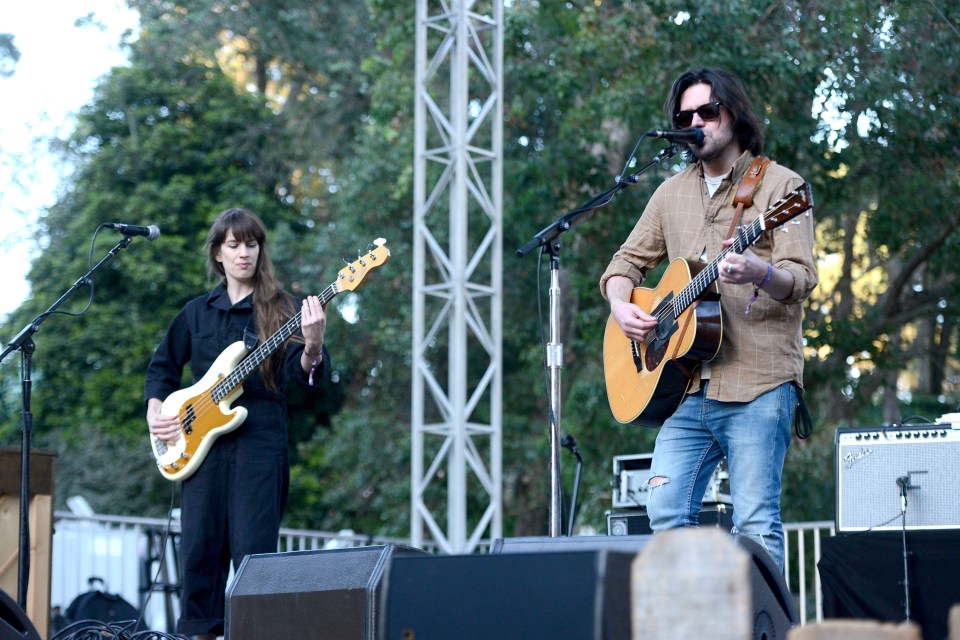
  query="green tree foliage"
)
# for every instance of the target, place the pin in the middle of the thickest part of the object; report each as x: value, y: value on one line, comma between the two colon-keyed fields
x: 162, y: 142
x: 304, y: 113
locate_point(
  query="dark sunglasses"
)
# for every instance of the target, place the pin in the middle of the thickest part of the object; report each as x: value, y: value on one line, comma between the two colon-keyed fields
x: 707, y: 112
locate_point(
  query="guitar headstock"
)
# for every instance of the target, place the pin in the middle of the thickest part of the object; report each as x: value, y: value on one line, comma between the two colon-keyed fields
x: 789, y: 207
x: 350, y: 277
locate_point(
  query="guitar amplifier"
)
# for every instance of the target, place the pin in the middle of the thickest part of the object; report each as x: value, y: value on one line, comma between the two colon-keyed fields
x: 901, y: 476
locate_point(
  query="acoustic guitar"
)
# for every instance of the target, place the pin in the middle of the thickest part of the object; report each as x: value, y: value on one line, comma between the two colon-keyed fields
x: 647, y: 381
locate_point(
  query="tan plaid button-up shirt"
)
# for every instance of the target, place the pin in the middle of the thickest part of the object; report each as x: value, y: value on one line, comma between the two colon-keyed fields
x: 759, y: 350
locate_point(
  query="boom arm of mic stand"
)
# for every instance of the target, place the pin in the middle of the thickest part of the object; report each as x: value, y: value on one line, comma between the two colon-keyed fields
x: 33, y: 326
x: 547, y: 238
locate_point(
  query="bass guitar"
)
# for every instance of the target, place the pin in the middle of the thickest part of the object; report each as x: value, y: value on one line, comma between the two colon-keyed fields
x: 647, y: 381
x: 205, y: 409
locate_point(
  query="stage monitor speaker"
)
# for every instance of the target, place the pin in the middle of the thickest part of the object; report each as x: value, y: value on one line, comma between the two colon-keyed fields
x: 510, y: 596
x: 14, y: 623
x: 774, y: 610
x: 881, y: 470
x: 332, y: 594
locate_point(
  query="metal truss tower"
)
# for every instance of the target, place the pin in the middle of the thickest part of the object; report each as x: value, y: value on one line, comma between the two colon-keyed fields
x: 456, y: 411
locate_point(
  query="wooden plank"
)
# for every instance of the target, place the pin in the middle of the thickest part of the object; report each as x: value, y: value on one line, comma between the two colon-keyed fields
x: 42, y: 476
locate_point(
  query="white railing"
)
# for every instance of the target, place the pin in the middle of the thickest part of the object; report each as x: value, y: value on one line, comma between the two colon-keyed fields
x: 125, y: 553
x: 800, y: 568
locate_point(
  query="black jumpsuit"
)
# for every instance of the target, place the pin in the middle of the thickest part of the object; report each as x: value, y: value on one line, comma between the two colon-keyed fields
x: 233, y: 503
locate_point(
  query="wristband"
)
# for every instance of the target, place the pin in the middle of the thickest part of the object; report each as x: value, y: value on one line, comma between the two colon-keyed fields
x: 757, y: 286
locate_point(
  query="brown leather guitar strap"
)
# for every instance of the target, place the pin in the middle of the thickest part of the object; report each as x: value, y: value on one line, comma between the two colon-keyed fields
x: 745, y: 190
x: 687, y: 373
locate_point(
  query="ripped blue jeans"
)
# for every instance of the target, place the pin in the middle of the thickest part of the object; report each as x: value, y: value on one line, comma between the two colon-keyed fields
x: 753, y: 436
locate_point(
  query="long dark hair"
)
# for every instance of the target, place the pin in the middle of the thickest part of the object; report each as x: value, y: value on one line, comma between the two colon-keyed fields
x: 272, y: 306
x: 725, y: 88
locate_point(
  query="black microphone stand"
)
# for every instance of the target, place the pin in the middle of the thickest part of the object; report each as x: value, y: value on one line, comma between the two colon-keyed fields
x: 23, y: 342
x: 903, y: 483
x: 549, y: 240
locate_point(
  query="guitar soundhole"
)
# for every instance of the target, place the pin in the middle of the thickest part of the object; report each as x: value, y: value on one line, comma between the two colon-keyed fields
x: 665, y: 330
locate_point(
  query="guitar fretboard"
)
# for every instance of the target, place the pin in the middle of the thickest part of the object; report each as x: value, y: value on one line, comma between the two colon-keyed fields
x: 248, y: 365
x: 698, y: 285
x: 788, y: 207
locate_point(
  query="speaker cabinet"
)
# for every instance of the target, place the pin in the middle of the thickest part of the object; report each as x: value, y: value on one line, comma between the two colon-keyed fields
x: 310, y: 595
x: 536, y: 544
x: 533, y: 588
x: 14, y: 624
x: 774, y: 611
x: 881, y: 470
x: 510, y: 596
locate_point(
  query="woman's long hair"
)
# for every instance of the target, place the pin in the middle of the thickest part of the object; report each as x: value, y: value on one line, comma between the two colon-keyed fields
x: 726, y: 89
x: 272, y: 306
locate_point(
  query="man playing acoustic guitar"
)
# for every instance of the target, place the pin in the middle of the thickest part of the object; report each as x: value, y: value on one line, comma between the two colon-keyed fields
x: 741, y: 403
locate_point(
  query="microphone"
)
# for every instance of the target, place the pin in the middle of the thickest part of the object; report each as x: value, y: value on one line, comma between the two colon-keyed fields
x: 904, y: 483
x: 569, y: 443
x: 151, y: 233
x: 692, y: 136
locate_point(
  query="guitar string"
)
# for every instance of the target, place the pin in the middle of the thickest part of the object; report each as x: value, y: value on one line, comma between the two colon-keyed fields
x: 706, y: 277
x: 677, y: 306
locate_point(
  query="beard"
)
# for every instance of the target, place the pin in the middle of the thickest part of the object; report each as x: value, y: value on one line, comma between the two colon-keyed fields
x: 714, y: 146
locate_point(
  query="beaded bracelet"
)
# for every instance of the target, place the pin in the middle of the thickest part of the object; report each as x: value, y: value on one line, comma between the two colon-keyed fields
x: 757, y: 286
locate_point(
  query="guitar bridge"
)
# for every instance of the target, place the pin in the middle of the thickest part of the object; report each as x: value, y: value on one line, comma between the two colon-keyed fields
x: 637, y: 358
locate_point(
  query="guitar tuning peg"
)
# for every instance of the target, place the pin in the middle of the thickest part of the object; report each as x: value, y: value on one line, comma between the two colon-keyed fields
x: 345, y: 261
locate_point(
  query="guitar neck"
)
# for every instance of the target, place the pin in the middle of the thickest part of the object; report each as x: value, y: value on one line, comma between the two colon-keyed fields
x: 702, y: 281
x: 256, y: 357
